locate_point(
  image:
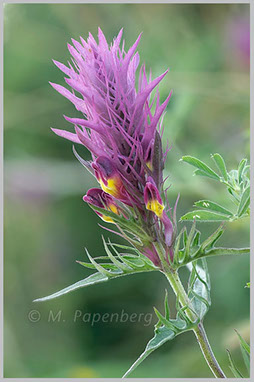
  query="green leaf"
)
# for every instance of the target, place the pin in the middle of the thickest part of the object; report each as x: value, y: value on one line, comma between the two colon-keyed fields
x: 220, y: 163
x: 212, y: 206
x: 202, y: 173
x: 164, y: 321
x: 202, y: 215
x: 196, y: 239
x: 201, y: 166
x: 241, y: 169
x: 199, y: 288
x: 90, y: 280
x: 190, y: 240
x: 99, y: 268
x: 185, y: 236
x: 243, y: 343
x: 131, y: 264
x: 232, y: 367
x: 212, y: 239
x: 177, y: 255
x: 162, y: 335
x: 244, y: 202
x: 108, y: 266
x: 165, y: 330
x: 166, y: 306
x: 220, y: 251
x: 115, y: 261
x: 245, y: 349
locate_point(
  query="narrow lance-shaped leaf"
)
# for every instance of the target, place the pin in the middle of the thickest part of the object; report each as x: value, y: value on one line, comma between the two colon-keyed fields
x: 90, y: 280
x: 108, y: 266
x: 212, y: 239
x: 190, y: 239
x: 166, y: 306
x: 106, y: 272
x: 118, y: 263
x: 232, y: 366
x: 245, y: 349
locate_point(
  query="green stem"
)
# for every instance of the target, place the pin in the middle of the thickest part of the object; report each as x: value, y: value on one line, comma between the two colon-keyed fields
x: 207, y: 351
x: 199, y: 331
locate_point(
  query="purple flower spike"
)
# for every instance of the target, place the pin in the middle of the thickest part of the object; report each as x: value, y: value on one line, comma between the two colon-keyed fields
x: 120, y: 125
x: 117, y: 120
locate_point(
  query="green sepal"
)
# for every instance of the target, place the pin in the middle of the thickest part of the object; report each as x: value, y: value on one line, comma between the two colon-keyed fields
x: 128, y: 222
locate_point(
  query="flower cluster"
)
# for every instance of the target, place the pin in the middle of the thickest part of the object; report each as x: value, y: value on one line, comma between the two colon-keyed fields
x: 122, y: 128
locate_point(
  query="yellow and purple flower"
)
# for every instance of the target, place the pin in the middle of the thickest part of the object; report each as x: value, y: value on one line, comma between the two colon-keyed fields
x: 98, y: 198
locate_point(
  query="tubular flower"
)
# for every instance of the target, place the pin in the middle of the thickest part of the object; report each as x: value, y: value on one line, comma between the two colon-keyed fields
x: 120, y: 130
x: 153, y: 199
x: 99, y: 198
x: 108, y: 177
x: 154, y: 203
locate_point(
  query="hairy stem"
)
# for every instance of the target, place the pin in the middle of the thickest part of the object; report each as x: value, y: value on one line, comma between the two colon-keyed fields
x: 199, y: 331
x: 207, y: 351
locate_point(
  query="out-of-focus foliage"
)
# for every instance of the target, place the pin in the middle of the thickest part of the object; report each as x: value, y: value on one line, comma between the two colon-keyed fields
x: 46, y: 222
x: 237, y: 183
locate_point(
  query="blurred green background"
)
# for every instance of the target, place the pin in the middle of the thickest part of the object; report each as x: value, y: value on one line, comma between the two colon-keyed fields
x: 47, y: 224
